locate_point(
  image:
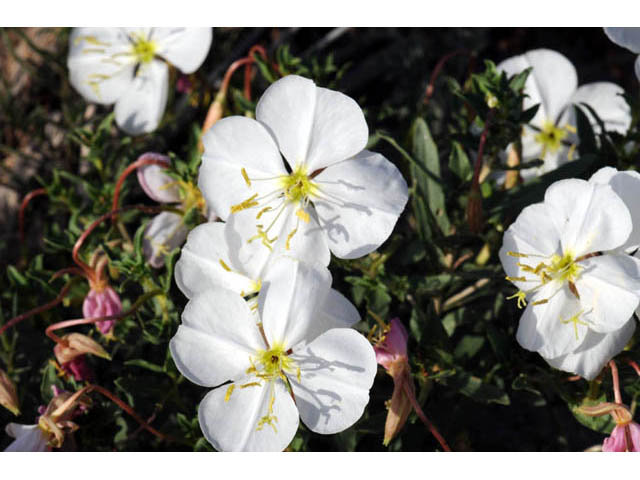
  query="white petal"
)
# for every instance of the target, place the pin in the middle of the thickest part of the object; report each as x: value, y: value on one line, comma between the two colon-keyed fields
x: 292, y: 293
x: 140, y: 108
x: 201, y: 267
x: 163, y: 233
x: 337, y: 371
x: 186, y: 48
x: 313, y: 126
x: 99, y: 67
x: 157, y: 184
x: 28, y: 438
x: 547, y: 328
x: 596, y: 351
x: 233, y: 425
x: 609, y: 289
x: 231, y: 144
x: 216, y: 339
x: 627, y: 186
x: 533, y: 233
x: 637, y: 67
x: 551, y: 83
x: 589, y: 217
x: 627, y: 37
x: 606, y: 99
x: 359, y: 203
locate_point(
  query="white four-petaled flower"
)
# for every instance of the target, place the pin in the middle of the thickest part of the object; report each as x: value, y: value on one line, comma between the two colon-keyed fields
x: 553, y: 83
x: 128, y: 67
x: 627, y: 37
x: 566, y: 257
x: 291, y: 365
x: 333, y: 196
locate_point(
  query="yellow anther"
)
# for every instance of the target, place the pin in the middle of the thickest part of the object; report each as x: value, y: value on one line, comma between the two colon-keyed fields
x: 246, y: 177
x: 250, y: 384
x: 224, y: 265
x: 289, y: 237
x: 572, y: 151
x: 248, y: 203
x: 264, y: 210
x: 540, y: 302
x: 302, y: 215
x: 91, y: 40
x: 570, y: 128
x: 516, y: 254
x: 521, y: 296
x: 516, y: 279
x: 227, y: 395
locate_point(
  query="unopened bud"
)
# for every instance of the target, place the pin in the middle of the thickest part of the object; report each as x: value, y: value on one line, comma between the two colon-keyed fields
x: 400, y: 405
x: 75, y: 344
x: 8, y: 395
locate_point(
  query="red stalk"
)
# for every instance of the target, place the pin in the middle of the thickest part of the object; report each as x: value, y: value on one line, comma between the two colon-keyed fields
x: 432, y: 428
x: 23, y: 206
x: 438, y: 68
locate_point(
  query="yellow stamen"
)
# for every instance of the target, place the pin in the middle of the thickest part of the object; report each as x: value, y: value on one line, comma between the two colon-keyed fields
x: 264, y: 210
x: 224, y: 265
x: 302, y: 215
x: 521, y: 296
x: 227, y: 395
x: 575, y: 319
x: 246, y: 177
x: 248, y: 203
x: 289, y: 237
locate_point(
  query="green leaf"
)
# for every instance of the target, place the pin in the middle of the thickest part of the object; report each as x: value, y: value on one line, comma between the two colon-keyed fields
x: 468, y: 346
x: 15, y: 277
x: 139, y: 362
x: 459, y: 163
x: 425, y: 152
x: 474, y: 388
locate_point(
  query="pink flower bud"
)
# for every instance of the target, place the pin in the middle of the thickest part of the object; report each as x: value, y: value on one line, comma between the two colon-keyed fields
x: 8, y: 395
x: 394, y: 345
x: 617, y: 441
x: 102, y: 304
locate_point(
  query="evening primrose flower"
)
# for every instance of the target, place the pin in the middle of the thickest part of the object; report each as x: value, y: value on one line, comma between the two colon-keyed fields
x: 130, y: 67
x: 166, y: 230
x: 562, y: 256
x: 333, y: 196
x: 289, y: 366
x: 102, y: 301
x: 627, y: 37
x: 553, y: 83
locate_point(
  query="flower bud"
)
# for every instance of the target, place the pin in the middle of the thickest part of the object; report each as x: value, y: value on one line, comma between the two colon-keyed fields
x: 8, y: 396
x: 102, y: 303
x: 78, y: 368
x: 76, y: 344
x: 623, y: 438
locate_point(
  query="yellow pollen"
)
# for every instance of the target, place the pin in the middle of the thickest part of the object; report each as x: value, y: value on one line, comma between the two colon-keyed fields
x: 224, y: 265
x: 246, y: 177
x: 302, y: 215
x: 261, y: 212
x: 540, y: 302
x: 289, y: 237
x: 248, y: 203
x: 516, y: 254
x: 227, y: 395
x: 191, y: 196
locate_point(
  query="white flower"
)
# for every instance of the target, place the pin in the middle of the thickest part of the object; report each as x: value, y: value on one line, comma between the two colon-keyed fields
x: 291, y: 365
x: 127, y: 66
x: 335, y: 196
x: 28, y: 438
x: 627, y: 37
x: 563, y: 255
x: 553, y: 83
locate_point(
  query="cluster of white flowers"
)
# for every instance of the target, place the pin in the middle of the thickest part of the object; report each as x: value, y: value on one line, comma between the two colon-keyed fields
x: 569, y: 258
x: 263, y: 326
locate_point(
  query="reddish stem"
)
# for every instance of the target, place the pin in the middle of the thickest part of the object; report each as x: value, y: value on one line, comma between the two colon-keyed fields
x: 438, y: 68
x: 616, y: 382
x: 35, y: 311
x: 231, y: 70
x: 87, y: 321
x: 128, y: 409
x: 474, y: 205
x: 432, y: 428
x: 91, y: 274
x: 635, y: 366
x: 149, y: 158
x: 23, y: 206
x: 247, y: 69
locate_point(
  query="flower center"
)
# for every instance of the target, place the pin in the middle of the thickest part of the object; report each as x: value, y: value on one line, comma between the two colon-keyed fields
x: 297, y: 186
x: 191, y: 197
x: 564, y: 269
x: 552, y: 137
x: 144, y: 49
